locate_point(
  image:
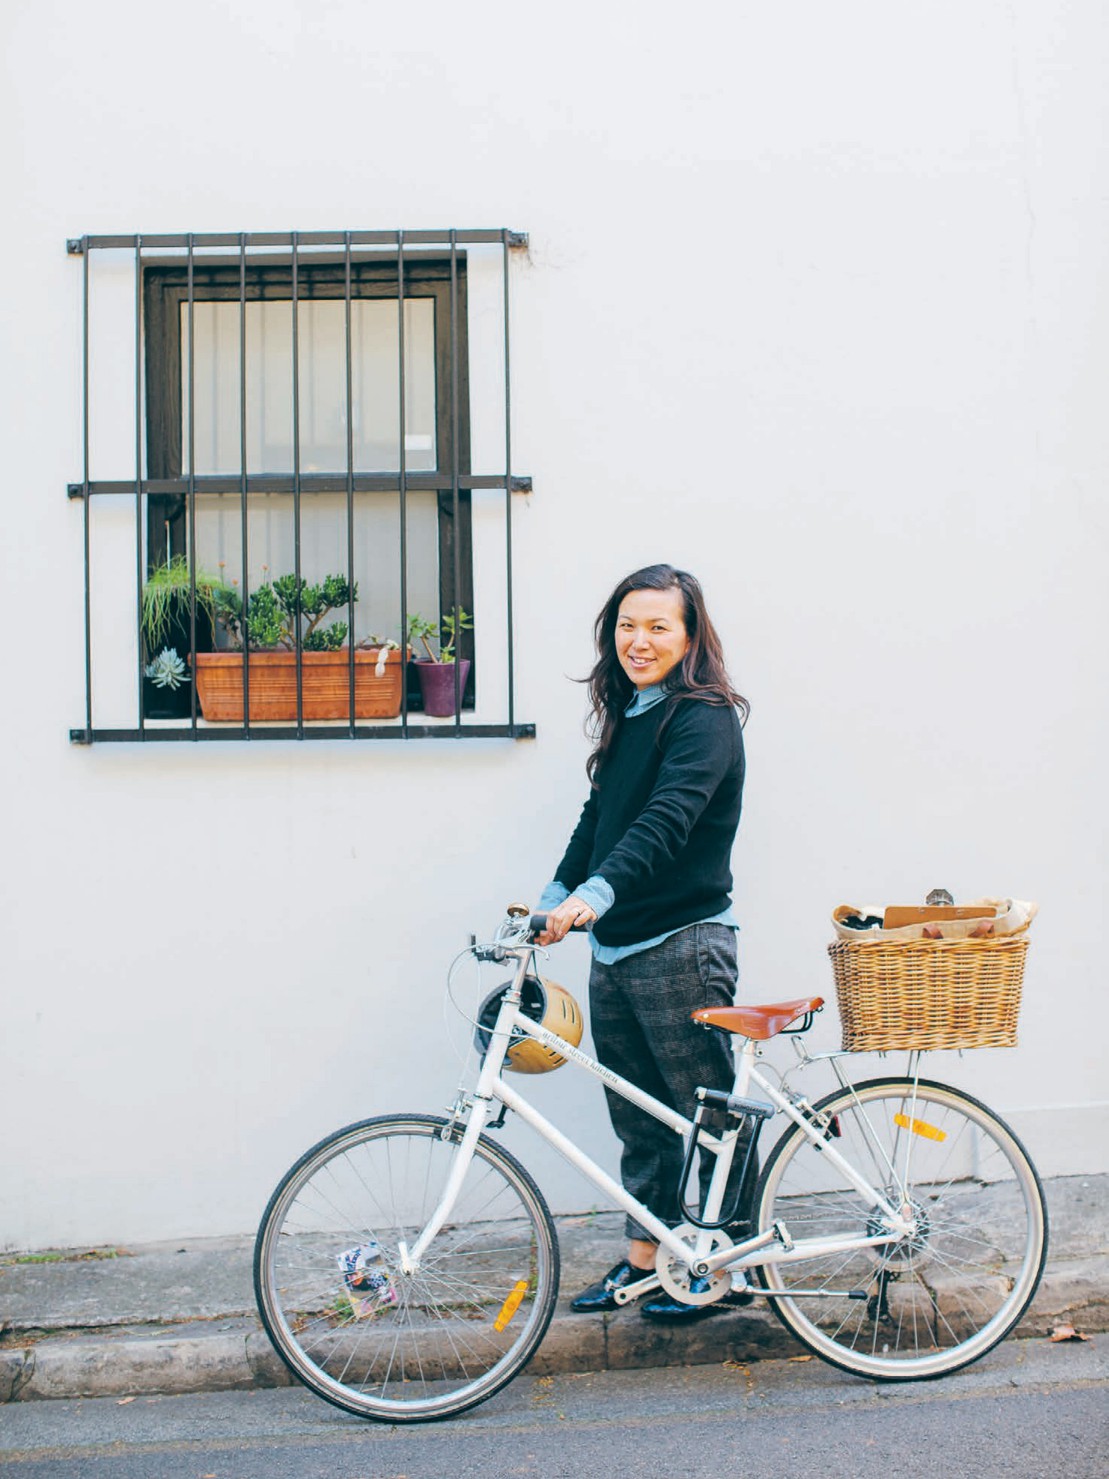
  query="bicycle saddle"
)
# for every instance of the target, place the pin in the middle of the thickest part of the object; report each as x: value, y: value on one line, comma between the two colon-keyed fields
x: 758, y: 1022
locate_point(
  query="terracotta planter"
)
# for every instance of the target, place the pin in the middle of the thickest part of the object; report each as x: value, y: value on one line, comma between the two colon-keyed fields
x: 325, y: 685
x: 437, y: 685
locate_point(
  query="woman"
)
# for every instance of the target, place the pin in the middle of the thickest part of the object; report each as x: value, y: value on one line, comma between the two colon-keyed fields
x: 648, y: 870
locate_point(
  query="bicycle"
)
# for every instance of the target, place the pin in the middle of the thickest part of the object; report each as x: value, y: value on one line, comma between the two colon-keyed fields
x: 407, y: 1266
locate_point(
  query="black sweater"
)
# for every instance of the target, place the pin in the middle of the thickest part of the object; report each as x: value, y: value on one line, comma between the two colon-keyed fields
x: 660, y: 825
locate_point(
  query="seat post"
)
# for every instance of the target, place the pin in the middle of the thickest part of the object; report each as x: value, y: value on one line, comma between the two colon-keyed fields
x: 745, y: 1061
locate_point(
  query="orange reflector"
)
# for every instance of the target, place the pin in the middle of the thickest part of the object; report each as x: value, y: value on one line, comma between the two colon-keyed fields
x: 919, y: 1127
x: 511, y: 1305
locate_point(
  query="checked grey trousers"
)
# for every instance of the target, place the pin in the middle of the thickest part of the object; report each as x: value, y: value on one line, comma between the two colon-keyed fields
x: 639, y: 1014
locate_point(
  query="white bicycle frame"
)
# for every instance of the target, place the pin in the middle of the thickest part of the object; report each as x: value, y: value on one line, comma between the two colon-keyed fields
x: 775, y: 1245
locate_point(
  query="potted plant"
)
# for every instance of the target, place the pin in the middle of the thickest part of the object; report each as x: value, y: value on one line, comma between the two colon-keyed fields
x: 437, y: 669
x: 167, y: 634
x: 265, y: 636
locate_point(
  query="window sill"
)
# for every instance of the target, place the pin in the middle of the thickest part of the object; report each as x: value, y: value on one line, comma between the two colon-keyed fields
x: 161, y: 731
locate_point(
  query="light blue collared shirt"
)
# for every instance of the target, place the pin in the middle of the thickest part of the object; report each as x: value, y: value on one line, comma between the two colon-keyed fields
x: 597, y: 893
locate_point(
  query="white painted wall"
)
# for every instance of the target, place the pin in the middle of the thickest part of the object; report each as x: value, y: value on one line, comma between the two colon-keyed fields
x: 815, y: 305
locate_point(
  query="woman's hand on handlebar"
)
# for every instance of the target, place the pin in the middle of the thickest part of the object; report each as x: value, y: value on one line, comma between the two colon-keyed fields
x: 570, y: 914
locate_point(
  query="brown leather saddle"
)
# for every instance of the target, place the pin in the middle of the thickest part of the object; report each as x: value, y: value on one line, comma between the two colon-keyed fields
x: 759, y: 1022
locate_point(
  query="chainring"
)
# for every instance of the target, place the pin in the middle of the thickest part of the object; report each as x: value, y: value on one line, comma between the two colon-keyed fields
x: 676, y: 1277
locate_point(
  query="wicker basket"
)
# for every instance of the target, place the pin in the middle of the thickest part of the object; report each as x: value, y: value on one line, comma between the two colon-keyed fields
x: 929, y: 993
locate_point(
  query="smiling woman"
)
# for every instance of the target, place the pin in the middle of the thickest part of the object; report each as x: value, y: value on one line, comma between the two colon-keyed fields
x: 651, y: 637
x: 648, y: 871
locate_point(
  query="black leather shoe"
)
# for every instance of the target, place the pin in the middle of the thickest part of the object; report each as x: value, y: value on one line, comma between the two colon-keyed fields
x: 674, y: 1312
x: 599, y: 1295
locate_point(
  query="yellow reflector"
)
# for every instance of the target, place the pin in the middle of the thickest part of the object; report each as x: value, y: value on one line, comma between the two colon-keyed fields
x: 919, y: 1127
x: 511, y: 1305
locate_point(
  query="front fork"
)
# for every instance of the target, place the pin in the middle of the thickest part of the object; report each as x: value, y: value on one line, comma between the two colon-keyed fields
x: 409, y: 1258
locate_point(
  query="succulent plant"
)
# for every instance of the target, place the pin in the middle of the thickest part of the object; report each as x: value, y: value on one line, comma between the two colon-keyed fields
x: 167, y: 670
x: 420, y: 630
x: 276, y: 608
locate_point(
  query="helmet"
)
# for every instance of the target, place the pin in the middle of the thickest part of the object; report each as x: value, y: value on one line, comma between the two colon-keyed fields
x: 544, y: 1002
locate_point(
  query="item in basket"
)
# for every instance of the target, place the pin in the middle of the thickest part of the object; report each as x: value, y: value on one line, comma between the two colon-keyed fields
x: 982, y: 919
x: 897, y: 916
x: 862, y: 921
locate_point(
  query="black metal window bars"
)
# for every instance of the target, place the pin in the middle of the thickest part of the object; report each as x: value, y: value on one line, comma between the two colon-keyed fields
x: 295, y: 250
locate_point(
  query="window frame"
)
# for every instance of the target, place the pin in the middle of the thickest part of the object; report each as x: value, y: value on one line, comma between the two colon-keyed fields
x: 166, y: 289
x: 193, y: 251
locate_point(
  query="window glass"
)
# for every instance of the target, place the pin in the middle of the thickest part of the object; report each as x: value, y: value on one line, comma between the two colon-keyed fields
x: 375, y: 391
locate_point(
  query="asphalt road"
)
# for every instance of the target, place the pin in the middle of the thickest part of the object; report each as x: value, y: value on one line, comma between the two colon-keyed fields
x: 1030, y: 1409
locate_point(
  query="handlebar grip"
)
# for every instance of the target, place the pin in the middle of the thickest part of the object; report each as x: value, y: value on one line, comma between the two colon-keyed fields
x: 538, y: 923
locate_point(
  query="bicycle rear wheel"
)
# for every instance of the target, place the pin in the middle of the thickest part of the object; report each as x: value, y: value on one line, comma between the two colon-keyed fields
x: 351, y: 1324
x: 920, y: 1306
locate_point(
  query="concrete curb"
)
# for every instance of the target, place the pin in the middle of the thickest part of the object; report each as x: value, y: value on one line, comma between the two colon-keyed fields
x: 173, y: 1319
x: 180, y: 1360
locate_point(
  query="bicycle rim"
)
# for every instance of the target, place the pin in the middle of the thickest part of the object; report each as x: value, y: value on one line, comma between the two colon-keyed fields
x: 931, y: 1303
x: 419, y: 1346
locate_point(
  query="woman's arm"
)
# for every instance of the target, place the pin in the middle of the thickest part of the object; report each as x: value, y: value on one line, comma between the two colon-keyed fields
x: 575, y: 861
x: 563, y: 908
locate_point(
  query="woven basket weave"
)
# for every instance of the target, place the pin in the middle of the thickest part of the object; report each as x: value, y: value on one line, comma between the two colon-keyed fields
x: 929, y: 993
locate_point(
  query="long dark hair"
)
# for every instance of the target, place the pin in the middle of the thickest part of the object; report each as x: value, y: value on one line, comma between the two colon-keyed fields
x: 700, y: 675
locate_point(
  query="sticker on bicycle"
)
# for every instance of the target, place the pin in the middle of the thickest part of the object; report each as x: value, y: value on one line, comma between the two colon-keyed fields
x: 369, y: 1288
x: 510, y: 1306
x: 919, y: 1127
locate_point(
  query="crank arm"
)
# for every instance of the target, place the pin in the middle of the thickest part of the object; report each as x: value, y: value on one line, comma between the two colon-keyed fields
x: 633, y: 1291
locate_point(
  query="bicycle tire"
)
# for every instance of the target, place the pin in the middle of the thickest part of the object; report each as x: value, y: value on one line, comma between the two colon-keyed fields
x: 427, y: 1345
x: 931, y: 1304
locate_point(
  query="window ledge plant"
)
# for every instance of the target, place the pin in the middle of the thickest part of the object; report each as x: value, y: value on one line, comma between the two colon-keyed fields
x: 437, y: 670
x: 169, y: 632
x: 266, y: 633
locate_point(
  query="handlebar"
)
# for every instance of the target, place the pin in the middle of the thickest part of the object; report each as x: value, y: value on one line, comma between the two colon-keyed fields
x: 538, y: 923
x: 512, y: 934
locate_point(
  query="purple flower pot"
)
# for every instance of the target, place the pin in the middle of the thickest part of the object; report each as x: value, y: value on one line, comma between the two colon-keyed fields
x: 437, y: 685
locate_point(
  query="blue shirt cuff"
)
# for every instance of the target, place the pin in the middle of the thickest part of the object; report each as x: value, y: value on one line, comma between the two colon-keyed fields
x: 597, y: 894
x: 553, y: 894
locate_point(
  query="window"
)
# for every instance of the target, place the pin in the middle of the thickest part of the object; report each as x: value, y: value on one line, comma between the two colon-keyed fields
x: 301, y: 409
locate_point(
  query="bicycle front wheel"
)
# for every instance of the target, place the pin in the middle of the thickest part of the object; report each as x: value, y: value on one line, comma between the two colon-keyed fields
x: 358, y: 1330
x: 929, y: 1303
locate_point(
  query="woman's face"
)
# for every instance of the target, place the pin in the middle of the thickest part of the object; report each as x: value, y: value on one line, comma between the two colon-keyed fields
x: 651, y: 638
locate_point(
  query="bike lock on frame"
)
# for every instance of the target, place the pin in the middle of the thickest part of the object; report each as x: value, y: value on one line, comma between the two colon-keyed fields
x: 758, y: 1112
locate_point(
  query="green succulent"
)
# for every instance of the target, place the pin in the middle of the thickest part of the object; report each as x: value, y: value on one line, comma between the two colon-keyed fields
x: 420, y: 630
x: 167, y: 670
x: 276, y: 608
x: 266, y: 622
x: 326, y: 639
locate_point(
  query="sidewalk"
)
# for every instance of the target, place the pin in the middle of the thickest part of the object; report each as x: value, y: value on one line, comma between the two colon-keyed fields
x: 179, y: 1317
